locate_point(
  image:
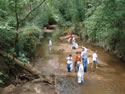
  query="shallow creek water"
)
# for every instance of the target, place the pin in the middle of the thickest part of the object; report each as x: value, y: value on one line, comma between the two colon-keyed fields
x: 109, y: 78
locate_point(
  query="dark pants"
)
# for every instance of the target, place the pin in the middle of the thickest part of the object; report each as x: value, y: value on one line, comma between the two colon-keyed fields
x: 68, y: 67
x: 76, y: 66
x: 84, y: 62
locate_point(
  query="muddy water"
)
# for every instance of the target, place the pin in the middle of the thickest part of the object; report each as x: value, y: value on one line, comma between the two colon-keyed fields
x: 109, y: 78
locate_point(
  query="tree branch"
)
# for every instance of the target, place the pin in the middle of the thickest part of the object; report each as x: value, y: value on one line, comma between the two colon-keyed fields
x: 32, y: 11
x: 16, y: 14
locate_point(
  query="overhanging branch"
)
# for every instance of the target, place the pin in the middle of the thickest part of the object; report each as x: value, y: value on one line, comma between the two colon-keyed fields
x: 32, y: 10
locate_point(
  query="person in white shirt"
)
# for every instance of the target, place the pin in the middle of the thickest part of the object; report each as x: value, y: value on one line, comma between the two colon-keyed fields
x: 80, y: 74
x: 50, y: 44
x: 95, y: 59
x: 61, y: 39
x: 84, y: 56
x: 70, y: 38
x: 75, y: 45
x: 69, y: 63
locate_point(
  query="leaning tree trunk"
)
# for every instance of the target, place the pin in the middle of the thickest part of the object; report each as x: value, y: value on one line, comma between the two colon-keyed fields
x: 27, y: 67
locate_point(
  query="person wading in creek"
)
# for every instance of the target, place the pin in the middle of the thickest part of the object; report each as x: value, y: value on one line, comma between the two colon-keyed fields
x: 84, y: 56
x: 95, y: 59
x: 77, y: 61
x: 74, y: 45
x: 70, y: 38
x: 50, y: 44
x: 80, y: 74
x: 69, y: 63
x: 61, y: 40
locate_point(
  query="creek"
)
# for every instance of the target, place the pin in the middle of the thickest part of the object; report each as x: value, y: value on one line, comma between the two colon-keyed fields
x: 109, y: 78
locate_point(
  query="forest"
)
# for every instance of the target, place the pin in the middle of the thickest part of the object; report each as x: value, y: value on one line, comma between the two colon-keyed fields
x: 22, y: 22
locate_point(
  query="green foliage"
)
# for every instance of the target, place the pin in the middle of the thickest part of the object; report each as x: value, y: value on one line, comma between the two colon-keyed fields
x: 28, y: 39
x: 105, y: 25
x: 3, y: 77
x: 103, y: 21
x: 23, y: 58
x: 98, y: 21
x: 1, y: 82
x: 6, y: 39
x: 14, y: 20
x: 67, y: 10
x: 1, y: 73
x: 12, y: 14
x: 57, y: 34
x: 67, y: 24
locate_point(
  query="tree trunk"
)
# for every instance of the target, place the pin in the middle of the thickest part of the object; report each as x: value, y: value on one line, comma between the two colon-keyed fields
x: 27, y: 67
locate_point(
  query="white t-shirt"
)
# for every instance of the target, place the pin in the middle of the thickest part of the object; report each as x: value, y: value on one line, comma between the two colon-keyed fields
x: 84, y: 54
x: 50, y: 42
x: 75, y: 45
x: 94, y: 57
x: 69, y: 60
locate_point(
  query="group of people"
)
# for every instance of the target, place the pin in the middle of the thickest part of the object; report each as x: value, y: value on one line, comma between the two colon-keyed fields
x: 81, y: 59
x: 80, y: 64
